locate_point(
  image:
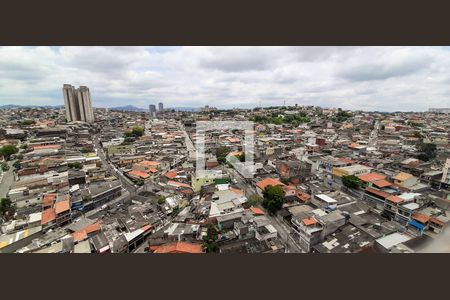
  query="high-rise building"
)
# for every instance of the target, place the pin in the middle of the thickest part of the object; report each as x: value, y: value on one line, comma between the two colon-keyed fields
x: 160, y: 107
x: 440, y: 110
x: 446, y: 172
x: 78, y: 104
x: 152, y: 108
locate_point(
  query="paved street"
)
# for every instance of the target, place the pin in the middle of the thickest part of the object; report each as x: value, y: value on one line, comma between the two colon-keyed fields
x: 285, y: 234
x: 189, y: 145
x: 284, y: 231
x: 7, y: 179
x: 144, y: 245
x: 126, y: 183
x: 123, y: 198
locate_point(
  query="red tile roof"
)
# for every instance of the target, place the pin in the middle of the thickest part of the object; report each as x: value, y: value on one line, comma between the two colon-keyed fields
x: 171, y: 174
x: 382, y: 183
x: 268, y: 181
x: 46, y: 147
x: 139, y: 174
x: 237, y: 191
x: 149, y: 163
x: 257, y: 211
x: 354, y: 145
x: 436, y: 221
x: 377, y: 192
x: 79, y: 235
x: 187, y: 191
x: 62, y: 206
x: 179, y: 184
x: 48, y: 215
x: 303, y: 196
x: 83, y: 233
x: 346, y: 160
x: 235, y: 153
x: 180, y: 247
x: 371, y: 177
x: 309, y: 221
x: 233, y: 140
x: 421, y: 218
x: 394, y: 199
x: 48, y: 199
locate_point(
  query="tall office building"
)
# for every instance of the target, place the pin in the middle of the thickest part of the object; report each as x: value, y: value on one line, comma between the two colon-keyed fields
x: 78, y: 104
x: 152, y: 108
x: 160, y: 107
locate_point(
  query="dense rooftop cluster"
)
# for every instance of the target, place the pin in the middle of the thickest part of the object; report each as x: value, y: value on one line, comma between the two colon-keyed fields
x: 322, y: 180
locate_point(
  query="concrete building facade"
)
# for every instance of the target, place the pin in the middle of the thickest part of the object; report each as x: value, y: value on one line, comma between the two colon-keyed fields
x: 446, y: 172
x: 78, y: 104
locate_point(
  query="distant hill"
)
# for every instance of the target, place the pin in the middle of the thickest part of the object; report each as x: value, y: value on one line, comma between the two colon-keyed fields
x: 15, y: 106
x: 127, y: 108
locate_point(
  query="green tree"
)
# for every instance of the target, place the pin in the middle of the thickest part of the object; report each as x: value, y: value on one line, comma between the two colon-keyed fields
x: 4, y: 166
x: 273, y: 198
x: 128, y: 134
x: 351, y: 181
x: 241, y: 157
x: 23, y: 146
x: 75, y: 165
x: 85, y: 150
x: 5, y: 205
x: 27, y: 122
x: 137, y: 131
x: 210, y: 240
x: 221, y: 154
x: 428, y: 151
x: 8, y: 150
x: 162, y: 200
x: 254, y: 200
x: 341, y: 116
x: 16, y: 165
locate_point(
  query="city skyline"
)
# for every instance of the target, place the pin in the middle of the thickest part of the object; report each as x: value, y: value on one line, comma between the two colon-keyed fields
x: 356, y: 78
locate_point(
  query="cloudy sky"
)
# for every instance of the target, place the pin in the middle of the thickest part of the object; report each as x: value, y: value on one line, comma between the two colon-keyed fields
x: 368, y: 78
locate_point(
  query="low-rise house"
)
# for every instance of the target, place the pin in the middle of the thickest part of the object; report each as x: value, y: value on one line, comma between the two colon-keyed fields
x: 178, y: 247
x: 261, y: 185
x: 348, y: 239
x: 387, y: 243
x: 312, y: 228
x: 351, y: 170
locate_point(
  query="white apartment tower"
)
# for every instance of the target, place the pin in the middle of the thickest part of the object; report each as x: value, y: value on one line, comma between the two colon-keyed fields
x: 78, y: 104
x: 446, y: 172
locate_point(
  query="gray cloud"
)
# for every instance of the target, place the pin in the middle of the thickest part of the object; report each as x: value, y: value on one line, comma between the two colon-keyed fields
x: 375, y: 78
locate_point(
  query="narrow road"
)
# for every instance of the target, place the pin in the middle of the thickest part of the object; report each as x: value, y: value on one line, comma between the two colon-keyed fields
x: 126, y: 183
x: 189, y: 145
x: 7, y: 179
x: 284, y: 232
